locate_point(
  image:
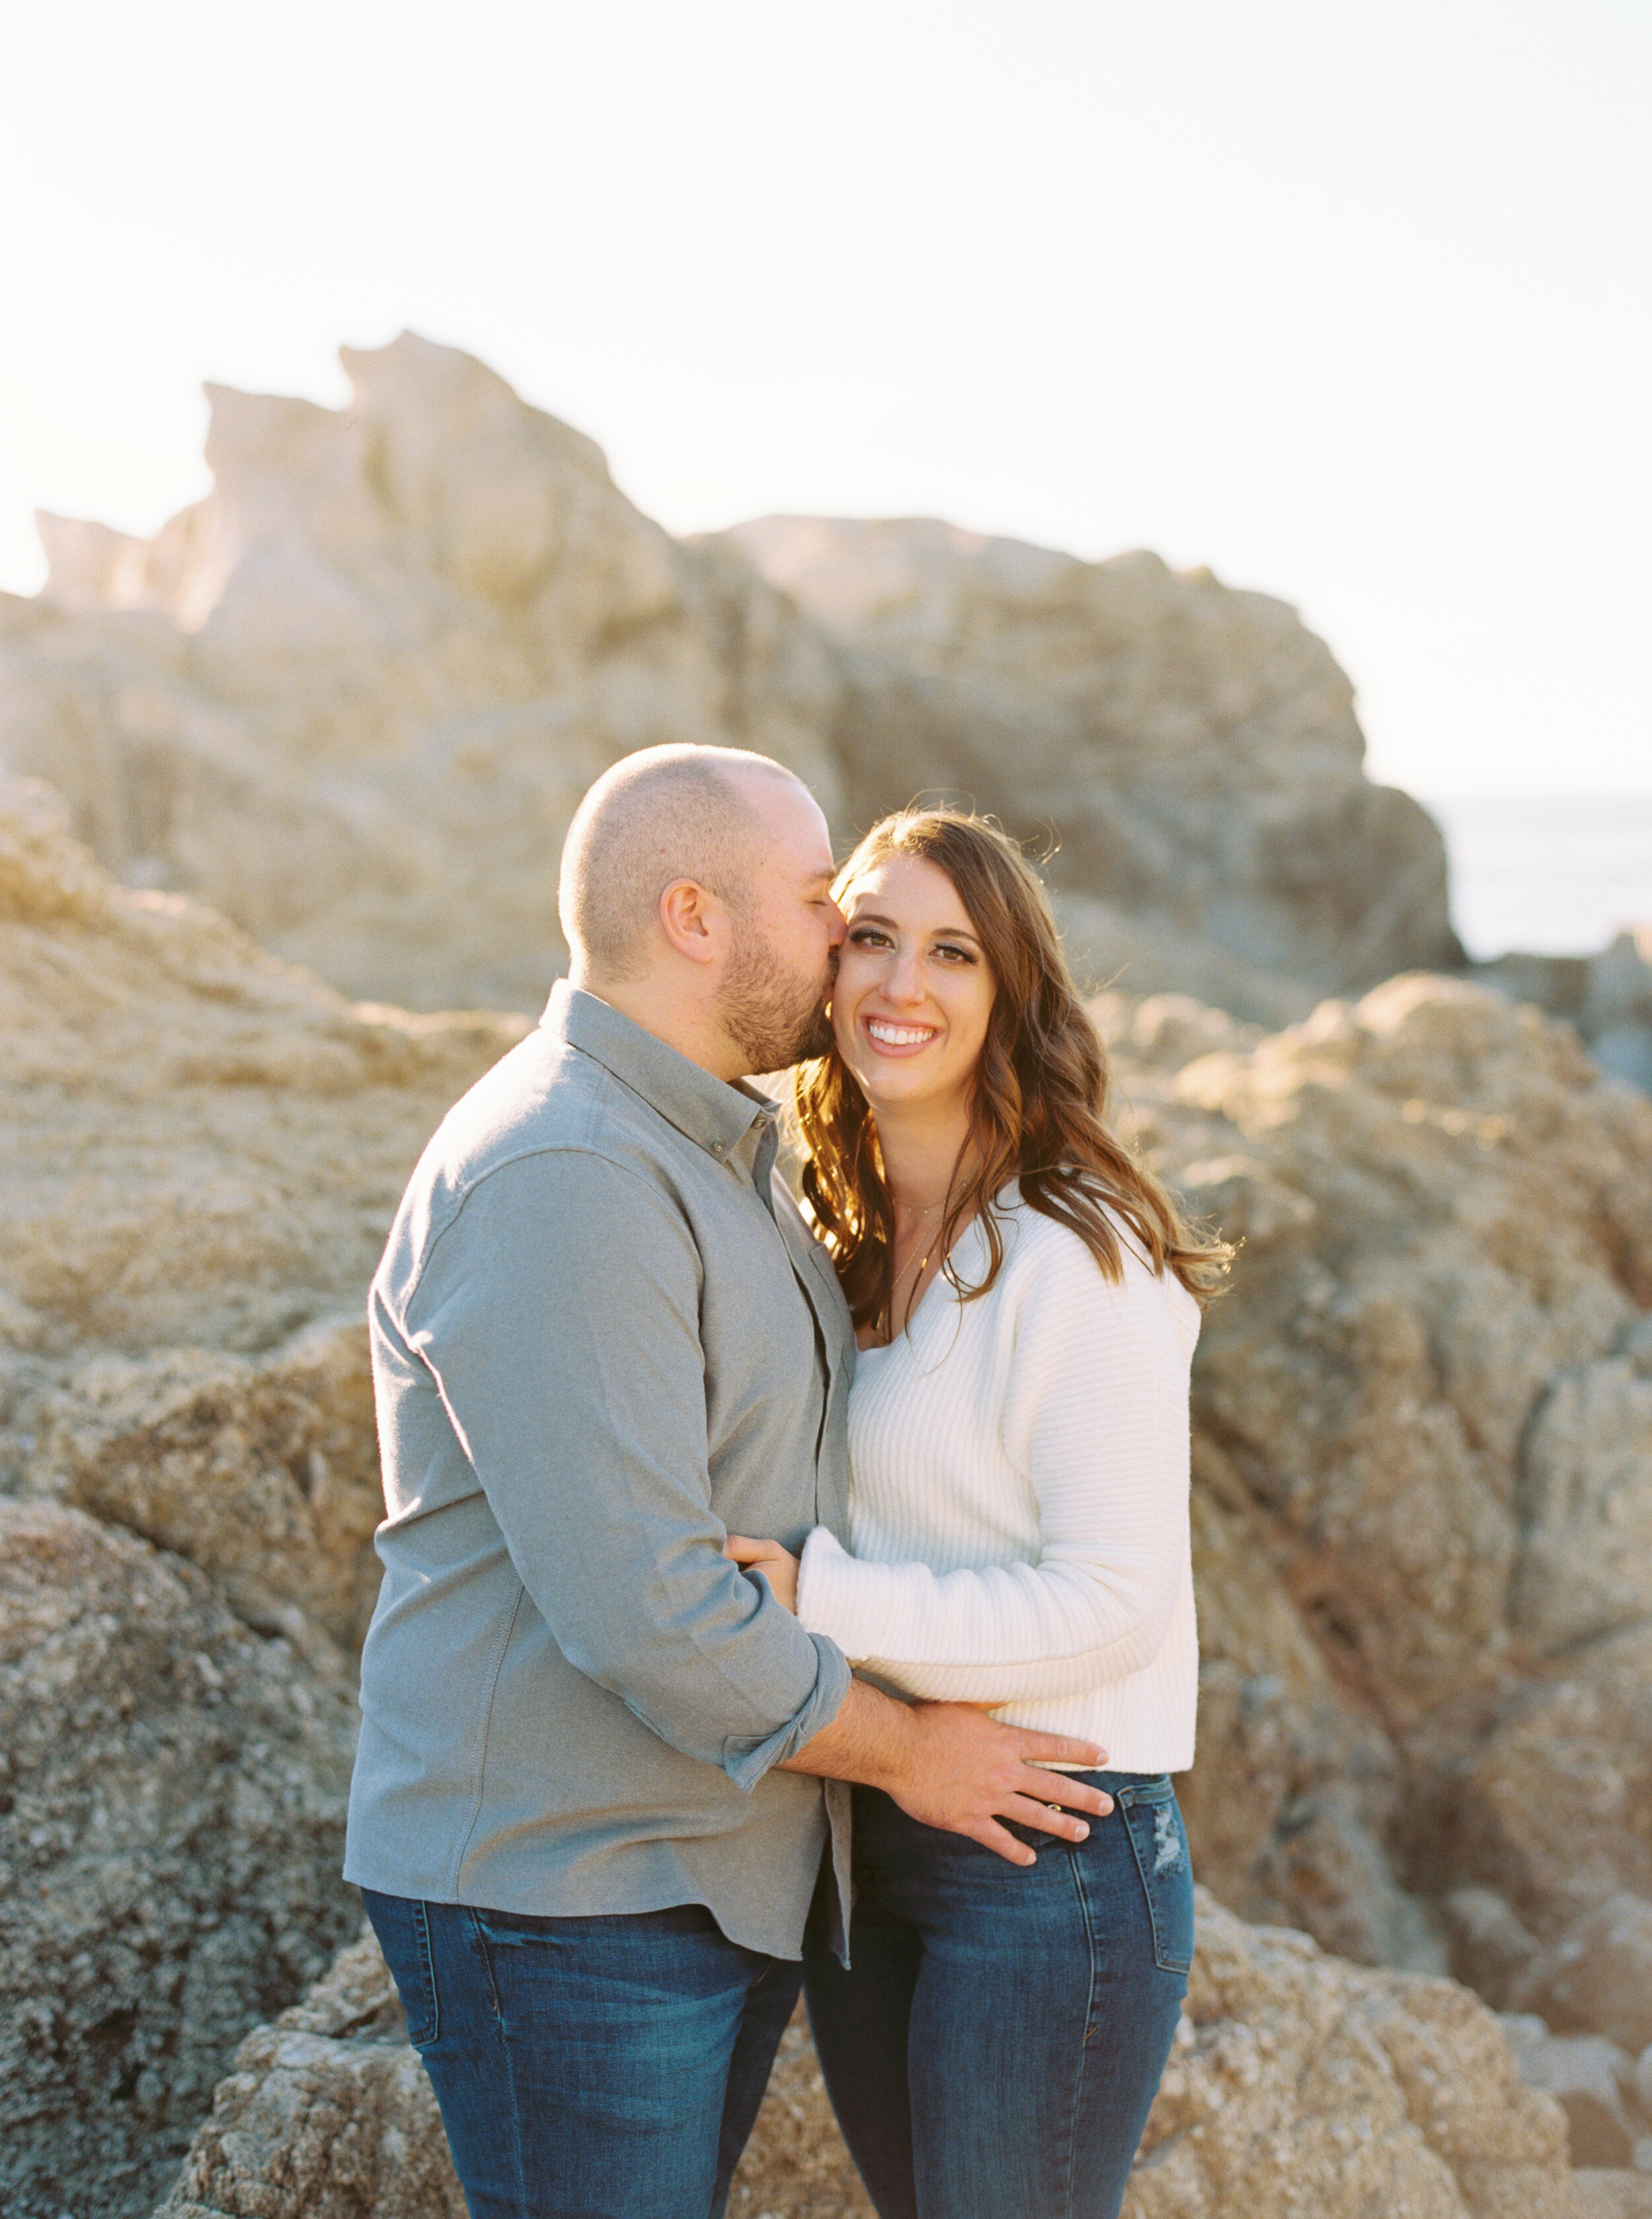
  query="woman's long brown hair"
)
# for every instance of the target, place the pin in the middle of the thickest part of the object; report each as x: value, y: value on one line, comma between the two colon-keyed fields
x: 1039, y: 1112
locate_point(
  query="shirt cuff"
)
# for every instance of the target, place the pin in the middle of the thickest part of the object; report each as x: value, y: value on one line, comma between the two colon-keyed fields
x: 845, y: 1597
x: 747, y: 1757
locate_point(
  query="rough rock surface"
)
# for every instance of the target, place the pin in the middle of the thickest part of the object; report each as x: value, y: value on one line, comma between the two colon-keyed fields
x: 1421, y: 1486
x: 1612, y: 2195
x: 352, y: 698
x: 1423, y: 1459
x: 1299, y: 2084
x: 1305, y: 2085
x: 201, y: 1146
x: 199, y: 1152
x: 1196, y: 748
x: 171, y: 1820
x: 1600, y: 1974
x: 263, y: 1470
x: 1592, y: 2080
x: 1607, y: 995
x: 327, y: 2115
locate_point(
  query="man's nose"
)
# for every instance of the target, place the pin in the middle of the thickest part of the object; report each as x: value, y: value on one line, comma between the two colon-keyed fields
x: 837, y: 925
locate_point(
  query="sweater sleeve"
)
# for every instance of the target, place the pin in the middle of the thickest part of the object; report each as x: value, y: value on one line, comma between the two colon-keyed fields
x: 1095, y: 1413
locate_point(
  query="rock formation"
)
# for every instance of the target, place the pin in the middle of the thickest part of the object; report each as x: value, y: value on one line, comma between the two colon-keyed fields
x: 1422, y: 1457
x: 327, y: 2115
x: 1306, y: 2086
x: 202, y: 1145
x: 1603, y: 2091
x: 199, y: 1152
x: 1607, y: 995
x: 200, y: 1149
x: 1299, y: 2084
x: 1424, y: 1442
x: 352, y: 698
x: 263, y: 1470
x: 171, y: 1807
x: 1196, y: 748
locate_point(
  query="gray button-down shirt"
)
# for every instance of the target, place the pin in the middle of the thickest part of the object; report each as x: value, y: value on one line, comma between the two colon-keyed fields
x: 602, y: 1338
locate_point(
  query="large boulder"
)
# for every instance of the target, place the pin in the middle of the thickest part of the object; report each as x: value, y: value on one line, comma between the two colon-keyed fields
x: 327, y: 2114
x: 1304, y: 2085
x: 1446, y: 1217
x: 1542, y: 1796
x: 172, y: 1825
x: 201, y: 1149
x: 1607, y: 995
x: 263, y: 1470
x: 199, y: 1145
x: 1423, y: 1467
x: 353, y: 696
x: 1299, y: 2084
x: 1193, y: 749
x: 1598, y: 1973
x: 1592, y: 2080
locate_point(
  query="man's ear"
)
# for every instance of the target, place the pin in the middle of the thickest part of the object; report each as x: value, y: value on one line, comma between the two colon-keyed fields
x: 694, y: 921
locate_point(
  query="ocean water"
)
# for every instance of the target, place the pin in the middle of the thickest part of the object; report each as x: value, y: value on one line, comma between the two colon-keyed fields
x: 1554, y: 874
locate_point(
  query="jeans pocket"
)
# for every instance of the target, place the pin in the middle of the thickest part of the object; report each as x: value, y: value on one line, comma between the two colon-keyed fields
x: 1153, y: 1822
x: 402, y: 1925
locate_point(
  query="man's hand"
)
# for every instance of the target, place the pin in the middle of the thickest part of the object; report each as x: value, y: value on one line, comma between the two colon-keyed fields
x: 950, y: 1766
x: 971, y: 1772
x: 778, y: 1565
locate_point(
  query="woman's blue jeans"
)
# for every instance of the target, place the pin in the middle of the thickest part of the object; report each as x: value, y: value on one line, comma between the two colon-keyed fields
x: 995, y: 2048
x: 588, y: 2068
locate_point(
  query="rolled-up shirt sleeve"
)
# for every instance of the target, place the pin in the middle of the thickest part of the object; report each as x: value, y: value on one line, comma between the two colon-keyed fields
x: 558, y: 1314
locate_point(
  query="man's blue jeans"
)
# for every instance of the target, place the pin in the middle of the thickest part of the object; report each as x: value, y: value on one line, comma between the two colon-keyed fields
x: 588, y: 2068
x: 996, y: 2046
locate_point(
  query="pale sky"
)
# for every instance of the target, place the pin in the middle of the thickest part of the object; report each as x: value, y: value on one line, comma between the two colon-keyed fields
x: 1348, y: 299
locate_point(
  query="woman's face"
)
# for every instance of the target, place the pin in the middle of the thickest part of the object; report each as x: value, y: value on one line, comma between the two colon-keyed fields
x: 914, y: 989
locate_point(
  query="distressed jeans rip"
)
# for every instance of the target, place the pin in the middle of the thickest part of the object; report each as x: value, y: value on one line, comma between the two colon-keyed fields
x: 1167, y: 1840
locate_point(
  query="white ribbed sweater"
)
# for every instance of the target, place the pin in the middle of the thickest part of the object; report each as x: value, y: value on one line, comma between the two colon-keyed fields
x: 1018, y: 1500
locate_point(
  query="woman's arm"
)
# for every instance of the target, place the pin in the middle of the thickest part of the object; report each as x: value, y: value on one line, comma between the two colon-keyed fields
x: 1096, y: 1414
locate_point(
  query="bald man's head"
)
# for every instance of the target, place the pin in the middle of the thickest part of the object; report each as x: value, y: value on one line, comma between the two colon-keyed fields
x: 655, y: 817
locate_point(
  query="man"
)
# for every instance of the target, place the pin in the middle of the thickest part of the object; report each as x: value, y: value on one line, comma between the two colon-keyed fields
x: 587, y: 1812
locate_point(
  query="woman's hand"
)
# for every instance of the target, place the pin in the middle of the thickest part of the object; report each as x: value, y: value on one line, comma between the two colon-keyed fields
x: 778, y: 1565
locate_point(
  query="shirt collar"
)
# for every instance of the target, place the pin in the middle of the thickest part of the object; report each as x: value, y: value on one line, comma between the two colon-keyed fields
x: 705, y: 1109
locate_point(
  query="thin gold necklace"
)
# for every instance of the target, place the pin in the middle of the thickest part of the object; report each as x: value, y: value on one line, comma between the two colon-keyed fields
x: 907, y: 1266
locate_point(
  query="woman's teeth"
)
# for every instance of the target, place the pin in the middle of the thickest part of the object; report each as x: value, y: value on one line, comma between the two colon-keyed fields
x: 899, y: 1035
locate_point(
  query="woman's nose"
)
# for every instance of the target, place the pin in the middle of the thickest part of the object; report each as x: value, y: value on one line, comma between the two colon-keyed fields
x: 905, y: 982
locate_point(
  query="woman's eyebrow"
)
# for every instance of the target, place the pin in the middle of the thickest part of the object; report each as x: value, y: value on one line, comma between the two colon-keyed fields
x: 946, y: 932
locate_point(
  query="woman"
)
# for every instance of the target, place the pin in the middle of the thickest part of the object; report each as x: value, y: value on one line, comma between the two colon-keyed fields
x: 1026, y: 1298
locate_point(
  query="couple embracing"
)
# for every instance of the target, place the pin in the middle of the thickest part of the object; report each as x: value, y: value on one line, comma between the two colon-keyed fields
x: 777, y: 1596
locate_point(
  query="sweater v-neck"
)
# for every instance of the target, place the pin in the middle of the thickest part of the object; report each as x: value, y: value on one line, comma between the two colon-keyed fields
x: 883, y: 1347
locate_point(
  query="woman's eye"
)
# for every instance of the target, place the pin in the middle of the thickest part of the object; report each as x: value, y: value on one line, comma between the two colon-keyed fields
x: 958, y: 955
x: 867, y: 936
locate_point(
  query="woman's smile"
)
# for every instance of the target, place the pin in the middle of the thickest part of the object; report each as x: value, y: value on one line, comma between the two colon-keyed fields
x: 893, y: 1039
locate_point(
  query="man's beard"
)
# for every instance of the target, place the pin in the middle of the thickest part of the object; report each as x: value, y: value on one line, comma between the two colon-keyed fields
x: 774, y: 1017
